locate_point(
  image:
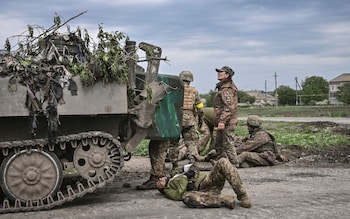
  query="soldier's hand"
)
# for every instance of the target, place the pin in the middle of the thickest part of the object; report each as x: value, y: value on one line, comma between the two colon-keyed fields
x: 281, y: 158
x: 221, y: 126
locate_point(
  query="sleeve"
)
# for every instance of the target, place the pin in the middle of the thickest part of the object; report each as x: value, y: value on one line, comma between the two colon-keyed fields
x: 259, y: 139
x: 229, y: 99
x: 198, y: 102
x: 176, y: 188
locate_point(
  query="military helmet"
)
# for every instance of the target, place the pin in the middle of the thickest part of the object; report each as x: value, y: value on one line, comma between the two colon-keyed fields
x: 186, y: 76
x: 254, y: 120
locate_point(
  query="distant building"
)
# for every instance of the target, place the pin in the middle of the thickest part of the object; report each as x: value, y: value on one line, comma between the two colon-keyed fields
x: 334, y: 85
x: 261, y: 97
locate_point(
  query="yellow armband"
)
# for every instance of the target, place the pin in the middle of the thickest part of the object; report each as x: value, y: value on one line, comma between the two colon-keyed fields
x: 199, y: 105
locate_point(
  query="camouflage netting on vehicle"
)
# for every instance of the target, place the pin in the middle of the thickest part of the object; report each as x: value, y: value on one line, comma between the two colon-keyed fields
x: 45, y: 65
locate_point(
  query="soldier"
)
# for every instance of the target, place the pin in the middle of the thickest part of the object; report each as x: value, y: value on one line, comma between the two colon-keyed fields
x: 192, y: 107
x: 225, y: 111
x: 260, y: 148
x: 157, y: 153
x: 203, y: 189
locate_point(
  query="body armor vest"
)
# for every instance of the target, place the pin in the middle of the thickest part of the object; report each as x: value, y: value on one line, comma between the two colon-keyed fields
x: 189, y: 98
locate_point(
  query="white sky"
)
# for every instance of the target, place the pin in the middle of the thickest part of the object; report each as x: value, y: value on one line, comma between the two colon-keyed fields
x: 295, y: 39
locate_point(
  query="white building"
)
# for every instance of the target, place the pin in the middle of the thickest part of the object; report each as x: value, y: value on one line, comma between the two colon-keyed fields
x: 334, y: 85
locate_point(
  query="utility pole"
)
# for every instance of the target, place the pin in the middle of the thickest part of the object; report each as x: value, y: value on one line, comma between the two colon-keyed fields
x: 276, y: 94
x: 265, y: 92
x: 296, y: 91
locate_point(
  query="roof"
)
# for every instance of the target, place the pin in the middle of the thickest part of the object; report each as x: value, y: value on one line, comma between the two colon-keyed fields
x: 345, y: 77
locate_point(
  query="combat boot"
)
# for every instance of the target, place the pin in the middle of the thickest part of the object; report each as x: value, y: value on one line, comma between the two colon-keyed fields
x: 191, y: 159
x: 227, y: 201
x: 245, y: 202
x: 200, y: 158
x: 210, y: 155
x: 151, y: 183
x: 213, y: 162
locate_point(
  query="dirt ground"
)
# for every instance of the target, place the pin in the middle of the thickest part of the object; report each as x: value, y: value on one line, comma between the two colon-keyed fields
x: 311, y: 184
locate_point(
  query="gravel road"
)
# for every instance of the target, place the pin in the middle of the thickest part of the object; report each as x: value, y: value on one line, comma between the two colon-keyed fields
x: 285, y: 191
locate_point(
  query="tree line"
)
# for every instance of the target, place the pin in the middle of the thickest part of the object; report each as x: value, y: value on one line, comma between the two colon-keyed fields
x: 313, y: 89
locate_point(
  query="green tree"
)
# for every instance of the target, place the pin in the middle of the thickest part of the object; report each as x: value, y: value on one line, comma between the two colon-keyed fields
x: 343, y: 94
x: 286, y: 95
x: 209, y: 98
x: 243, y: 97
x: 315, y: 88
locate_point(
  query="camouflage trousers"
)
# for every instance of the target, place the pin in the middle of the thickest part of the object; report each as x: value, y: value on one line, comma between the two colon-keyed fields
x: 197, y: 199
x: 211, y: 186
x: 225, y: 145
x: 253, y: 159
x: 190, y: 138
x: 157, y: 153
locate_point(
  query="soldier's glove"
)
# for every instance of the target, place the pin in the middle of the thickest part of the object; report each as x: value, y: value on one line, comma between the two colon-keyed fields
x: 190, y: 174
x: 190, y: 186
x: 281, y: 158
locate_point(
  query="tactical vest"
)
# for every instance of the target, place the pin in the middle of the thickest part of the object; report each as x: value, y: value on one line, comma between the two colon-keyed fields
x: 189, y: 99
x: 270, y: 146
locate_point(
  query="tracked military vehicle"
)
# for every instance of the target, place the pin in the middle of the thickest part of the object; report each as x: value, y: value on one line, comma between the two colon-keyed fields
x: 61, y: 138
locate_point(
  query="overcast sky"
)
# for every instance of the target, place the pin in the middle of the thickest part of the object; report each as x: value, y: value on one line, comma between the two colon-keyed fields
x: 256, y: 38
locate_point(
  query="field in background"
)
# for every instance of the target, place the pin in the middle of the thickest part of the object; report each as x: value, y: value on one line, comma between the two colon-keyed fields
x: 296, y: 111
x: 290, y: 133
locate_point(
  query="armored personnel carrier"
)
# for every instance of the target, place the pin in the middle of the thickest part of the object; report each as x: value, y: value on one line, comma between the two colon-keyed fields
x: 61, y: 137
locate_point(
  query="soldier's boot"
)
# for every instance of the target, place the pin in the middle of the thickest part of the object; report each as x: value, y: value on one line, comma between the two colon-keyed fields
x: 245, y: 201
x: 227, y: 201
x: 174, y: 164
x: 210, y: 155
x: 151, y: 183
x: 244, y: 165
x: 200, y: 158
x: 213, y: 162
x: 191, y: 159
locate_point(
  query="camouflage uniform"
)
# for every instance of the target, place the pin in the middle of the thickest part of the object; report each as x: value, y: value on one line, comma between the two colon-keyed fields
x: 259, y: 149
x: 157, y: 153
x: 208, y: 186
x: 225, y: 111
x: 192, y: 107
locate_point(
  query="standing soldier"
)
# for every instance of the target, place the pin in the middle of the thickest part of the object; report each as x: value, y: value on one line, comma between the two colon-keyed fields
x: 225, y: 110
x: 192, y: 107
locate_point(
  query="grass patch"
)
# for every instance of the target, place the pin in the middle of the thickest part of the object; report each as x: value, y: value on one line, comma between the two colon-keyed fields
x: 296, y: 111
x: 311, y: 136
x: 142, y: 149
x: 286, y: 133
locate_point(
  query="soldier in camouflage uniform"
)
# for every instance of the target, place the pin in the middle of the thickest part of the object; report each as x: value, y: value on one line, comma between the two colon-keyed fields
x: 157, y: 153
x: 203, y: 189
x: 192, y: 108
x: 225, y: 112
x: 260, y: 148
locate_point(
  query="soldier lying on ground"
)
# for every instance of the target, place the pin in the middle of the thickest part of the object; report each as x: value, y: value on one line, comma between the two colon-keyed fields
x: 203, y: 189
x: 259, y: 148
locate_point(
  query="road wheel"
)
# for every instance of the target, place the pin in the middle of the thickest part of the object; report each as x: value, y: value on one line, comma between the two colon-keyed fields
x: 31, y: 175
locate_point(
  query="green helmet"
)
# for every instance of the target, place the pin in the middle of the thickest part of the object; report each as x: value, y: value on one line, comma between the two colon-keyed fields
x: 254, y: 120
x: 186, y: 76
